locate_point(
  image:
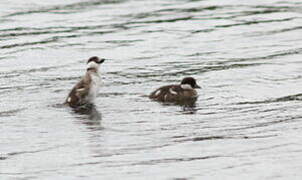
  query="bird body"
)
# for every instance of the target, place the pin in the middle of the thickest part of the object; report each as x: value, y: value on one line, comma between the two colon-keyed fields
x: 86, y: 90
x: 177, y: 93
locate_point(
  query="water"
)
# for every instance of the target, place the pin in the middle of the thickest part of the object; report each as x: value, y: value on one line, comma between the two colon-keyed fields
x: 246, y: 55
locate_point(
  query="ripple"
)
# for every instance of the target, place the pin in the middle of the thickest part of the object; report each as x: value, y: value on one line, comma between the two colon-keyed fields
x: 69, y: 8
x: 10, y: 112
x: 295, y: 97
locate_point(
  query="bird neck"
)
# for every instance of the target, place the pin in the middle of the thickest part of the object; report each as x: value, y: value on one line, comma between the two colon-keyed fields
x: 92, y: 69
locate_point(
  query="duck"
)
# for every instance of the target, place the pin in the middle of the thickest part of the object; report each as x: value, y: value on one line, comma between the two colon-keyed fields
x: 85, y: 91
x: 185, y: 91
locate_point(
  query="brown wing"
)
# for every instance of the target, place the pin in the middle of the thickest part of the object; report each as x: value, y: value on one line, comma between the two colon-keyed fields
x: 159, y: 93
x: 173, y: 93
x: 163, y: 93
x: 78, y: 93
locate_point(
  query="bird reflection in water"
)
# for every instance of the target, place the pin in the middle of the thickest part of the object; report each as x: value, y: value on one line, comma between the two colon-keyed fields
x: 94, y: 116
x: 188, y: 106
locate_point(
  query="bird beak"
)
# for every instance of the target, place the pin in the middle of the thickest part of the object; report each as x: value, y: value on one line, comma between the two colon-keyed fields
x: 197, y: 87
x: 101, y: 61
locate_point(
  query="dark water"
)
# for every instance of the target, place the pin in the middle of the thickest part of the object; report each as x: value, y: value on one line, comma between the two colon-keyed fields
x: 246, y: 55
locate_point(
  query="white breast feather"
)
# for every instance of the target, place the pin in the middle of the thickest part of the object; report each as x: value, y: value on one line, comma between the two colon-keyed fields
x: 94, y: 87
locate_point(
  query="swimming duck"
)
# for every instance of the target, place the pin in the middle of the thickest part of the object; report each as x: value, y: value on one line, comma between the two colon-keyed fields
x: 177, y: 93
x: 85, y: 91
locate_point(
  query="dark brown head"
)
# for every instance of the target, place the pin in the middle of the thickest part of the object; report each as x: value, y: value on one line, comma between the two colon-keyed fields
x: 94, y: 62
x: 189, y: 83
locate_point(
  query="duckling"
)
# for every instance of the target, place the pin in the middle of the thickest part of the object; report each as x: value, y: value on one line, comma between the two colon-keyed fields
x: 177, y: 93
x: 85, y: 91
